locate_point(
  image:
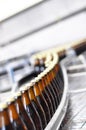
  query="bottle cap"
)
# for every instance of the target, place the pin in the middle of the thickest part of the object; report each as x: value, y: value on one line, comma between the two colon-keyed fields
x: 48, y: 59
x: 3, y: 106
x: 17, y: 94
x: 35, y: 80
x: 44, y: 73
x: 40, y: 76
x: 30, y: 84
x: 23, y: 89
x: 10, y: 99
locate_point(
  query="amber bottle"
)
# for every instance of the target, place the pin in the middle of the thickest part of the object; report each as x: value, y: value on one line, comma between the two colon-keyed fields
x: 37, y: 107
x: 5, y: 123
x: 15, y: 120
x: 22, y: 113
x: 51, y: 84
x: 42, y: 101
x: 55, y: 85
x: 39, y: 66
x: 30, y: 110
x: 48, y: 90
x: 51, y: 89
x: 46, y: 96
x: 58, y: 77
x: 56, y: 81
x: 60, y: 71
x: 59, y: 81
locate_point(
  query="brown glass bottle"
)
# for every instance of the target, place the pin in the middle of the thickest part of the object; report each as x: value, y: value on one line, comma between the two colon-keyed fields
x: 49, y: 92
x: 54, y: 86
x: 54, y: 73
x: 59, y: 79
x: 46, y: 96
x: 37, y: 107
x: 51, y: 89
x: 30, y: 110
x: 42, y: 101
x: 5, y: 123
x: 59, y: 71
x: 15, y: 120
x: 22, y: 113
x: 59, y: 82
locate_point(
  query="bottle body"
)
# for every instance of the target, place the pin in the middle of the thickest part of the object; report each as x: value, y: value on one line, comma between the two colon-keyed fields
x: 46, y: 96
x: 37, y: 107
x: 23, y: 115
x: 5, y: 123
x: 48, y: 90
x: 42, y: 102
x: 30, y: 111
x: 15, y: 120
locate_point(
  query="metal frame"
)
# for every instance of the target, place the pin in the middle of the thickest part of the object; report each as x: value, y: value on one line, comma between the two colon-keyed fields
x: 56, y: 120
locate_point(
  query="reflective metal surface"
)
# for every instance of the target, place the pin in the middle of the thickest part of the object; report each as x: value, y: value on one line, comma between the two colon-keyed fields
x: 75, y: 118
x: 56, y: 120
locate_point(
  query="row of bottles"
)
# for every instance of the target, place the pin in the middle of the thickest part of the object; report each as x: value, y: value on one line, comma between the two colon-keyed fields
x: 33, y: 106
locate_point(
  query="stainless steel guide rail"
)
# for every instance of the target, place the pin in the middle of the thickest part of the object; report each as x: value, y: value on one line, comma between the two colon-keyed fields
x: 56, y: 120
x: 75, y: 118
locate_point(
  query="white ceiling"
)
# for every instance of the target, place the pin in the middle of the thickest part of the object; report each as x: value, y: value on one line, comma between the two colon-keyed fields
x: 11, y: 7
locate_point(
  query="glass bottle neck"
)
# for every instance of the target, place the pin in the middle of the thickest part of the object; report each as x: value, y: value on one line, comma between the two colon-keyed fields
x: 25, y: 99
x: 19, y: 105
x: 36, y: 90
x: 31, y: 94
x: 40, y: 86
